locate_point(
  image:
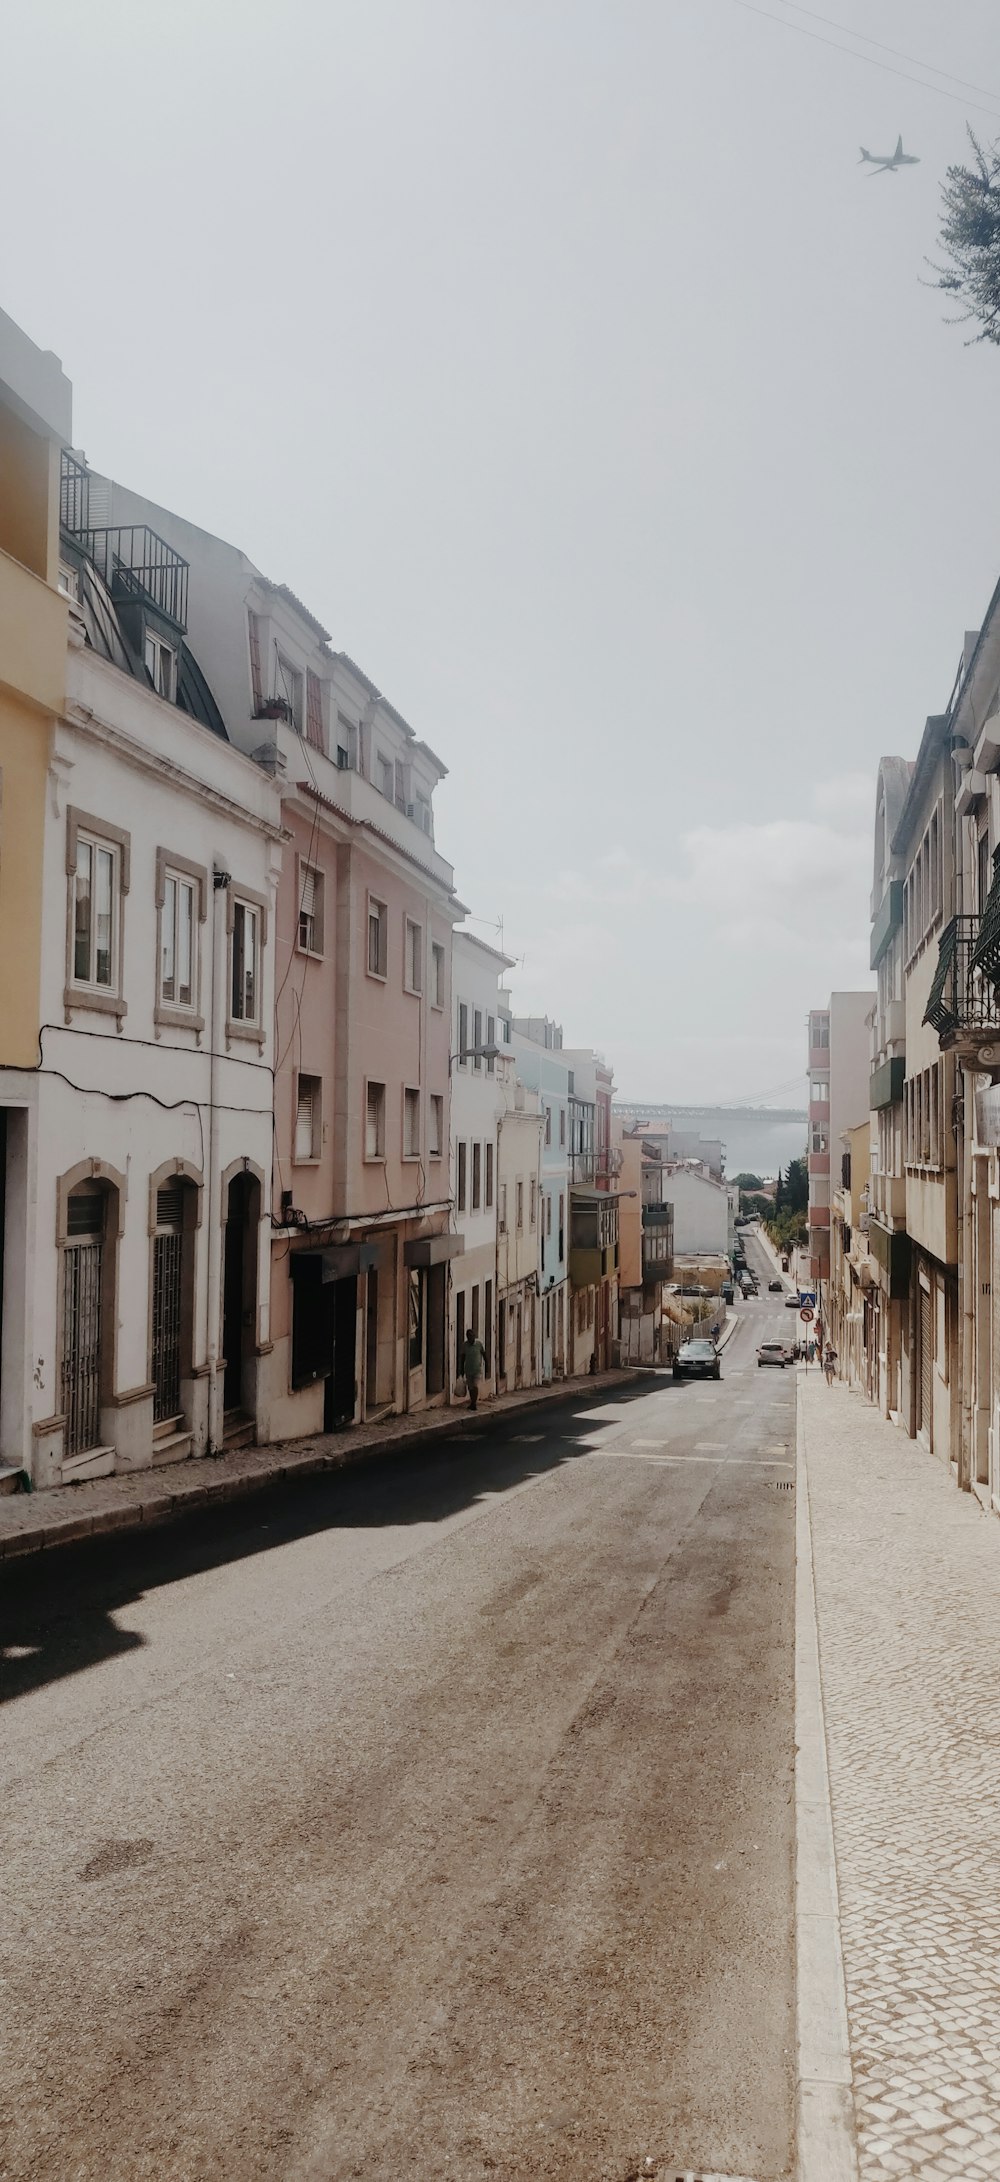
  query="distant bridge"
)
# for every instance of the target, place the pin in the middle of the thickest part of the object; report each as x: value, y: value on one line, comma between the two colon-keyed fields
x: 654, y: 1112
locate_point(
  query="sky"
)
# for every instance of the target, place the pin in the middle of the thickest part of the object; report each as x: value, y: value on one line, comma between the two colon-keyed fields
x: 562, y: 358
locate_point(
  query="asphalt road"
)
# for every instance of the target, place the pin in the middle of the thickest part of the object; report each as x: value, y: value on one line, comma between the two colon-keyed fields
x: 434, y: 1820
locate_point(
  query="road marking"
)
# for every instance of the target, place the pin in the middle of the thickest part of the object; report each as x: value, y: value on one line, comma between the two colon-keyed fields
x: 710, y: 1447
x: 631, y: 1454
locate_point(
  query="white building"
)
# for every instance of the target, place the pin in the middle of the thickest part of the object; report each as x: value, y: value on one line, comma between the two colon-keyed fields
x: 478, y: 1097
x: 147, y: 1152
x: 537, y: 1047
x: 702, y: 1212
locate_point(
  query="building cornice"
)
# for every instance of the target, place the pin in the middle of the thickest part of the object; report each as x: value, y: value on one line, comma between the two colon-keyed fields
x: 153, y: 762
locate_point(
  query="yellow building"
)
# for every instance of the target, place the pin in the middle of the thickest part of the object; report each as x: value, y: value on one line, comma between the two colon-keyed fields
x: 35, y: 422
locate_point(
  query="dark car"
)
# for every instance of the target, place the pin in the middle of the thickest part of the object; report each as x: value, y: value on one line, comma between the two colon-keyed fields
x: 774, y: 1287
x: 697, y: 1360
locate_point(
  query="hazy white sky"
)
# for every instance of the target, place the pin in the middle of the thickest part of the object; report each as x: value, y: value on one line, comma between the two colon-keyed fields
x: 561, y: 358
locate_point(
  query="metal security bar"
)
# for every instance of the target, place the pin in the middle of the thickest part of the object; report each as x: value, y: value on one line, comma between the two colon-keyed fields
x: 963, y: 997
x: 81, y: 1373
x: 137, y: 564
x: 74, y: 493
x: 166, y: 1325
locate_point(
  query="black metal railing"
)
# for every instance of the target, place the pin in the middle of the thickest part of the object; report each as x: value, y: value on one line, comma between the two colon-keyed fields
x: 74, y: 493
x: 138, y: 566
x: 963, y: 998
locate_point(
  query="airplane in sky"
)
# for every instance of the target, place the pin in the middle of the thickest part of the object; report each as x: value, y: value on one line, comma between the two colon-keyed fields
x: 888, y: 166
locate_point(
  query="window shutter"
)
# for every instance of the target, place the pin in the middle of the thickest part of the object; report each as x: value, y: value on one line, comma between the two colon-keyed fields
x: 170, y: 1207
x: 256, y: 682
x: 307, y: 895
x: 304, y: 1120
x: 314, y: 711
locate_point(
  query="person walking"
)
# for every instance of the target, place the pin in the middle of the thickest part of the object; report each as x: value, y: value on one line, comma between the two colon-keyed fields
x: 829, y: 1362
x: 473, y: 1361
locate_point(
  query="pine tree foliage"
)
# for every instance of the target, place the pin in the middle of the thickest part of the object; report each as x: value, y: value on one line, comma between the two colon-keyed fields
x: 970, y: 237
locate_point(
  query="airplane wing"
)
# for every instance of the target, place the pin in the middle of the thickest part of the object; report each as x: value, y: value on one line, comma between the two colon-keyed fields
x: 898, y: 153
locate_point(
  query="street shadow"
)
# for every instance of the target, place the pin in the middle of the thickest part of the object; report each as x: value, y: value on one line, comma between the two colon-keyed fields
x: 57, y: 1612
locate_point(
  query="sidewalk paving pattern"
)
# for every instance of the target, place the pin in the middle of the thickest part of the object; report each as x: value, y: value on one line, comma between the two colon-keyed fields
x: 907, y: 1574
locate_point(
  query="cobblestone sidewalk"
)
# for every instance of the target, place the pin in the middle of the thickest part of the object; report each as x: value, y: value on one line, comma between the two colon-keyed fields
x: 907, y: 1574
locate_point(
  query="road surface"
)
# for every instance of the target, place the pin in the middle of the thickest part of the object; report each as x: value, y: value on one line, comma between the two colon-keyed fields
x: 432, y: 1820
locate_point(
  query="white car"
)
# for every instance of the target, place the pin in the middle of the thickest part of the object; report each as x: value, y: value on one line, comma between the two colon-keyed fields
x: 774, y: 1352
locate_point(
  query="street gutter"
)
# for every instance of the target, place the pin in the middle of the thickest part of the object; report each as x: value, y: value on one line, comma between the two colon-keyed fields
x: 34, y: 1523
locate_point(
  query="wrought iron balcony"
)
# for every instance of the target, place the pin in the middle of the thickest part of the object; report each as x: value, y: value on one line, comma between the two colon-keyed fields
x: 139, y: 567
x: 963, y: 1004
x: 74, y: 494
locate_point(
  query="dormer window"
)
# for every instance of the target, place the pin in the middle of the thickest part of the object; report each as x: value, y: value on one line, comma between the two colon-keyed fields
x: 161, y: 666
x: 69, y: 580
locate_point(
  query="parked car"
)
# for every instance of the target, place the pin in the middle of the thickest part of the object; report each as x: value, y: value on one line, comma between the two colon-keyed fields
x: 774, y: 1287
x: 774, y: 1352
x: 697, y: 1360
x: 791, y: 1303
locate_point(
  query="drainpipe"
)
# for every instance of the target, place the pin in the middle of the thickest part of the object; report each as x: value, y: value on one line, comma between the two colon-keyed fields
x: 213, y: 1281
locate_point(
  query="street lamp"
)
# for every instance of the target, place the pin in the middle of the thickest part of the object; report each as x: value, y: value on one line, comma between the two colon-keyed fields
x: 489, y: 1052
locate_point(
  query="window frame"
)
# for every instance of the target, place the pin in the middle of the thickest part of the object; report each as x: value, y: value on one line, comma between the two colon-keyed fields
x: 413, y: 955
x: 311, y: 1158
x: 172, y: 1013
x: 283, y: 666
x: 381, y: 975
x: 240, y: 1026
x: 377, y: 1157
x: 163, y: 648
x: 315, y: 953
x: 438, y: 967
x: 411, y: 1105
x: 435, y: 1150
x: 106, y: 999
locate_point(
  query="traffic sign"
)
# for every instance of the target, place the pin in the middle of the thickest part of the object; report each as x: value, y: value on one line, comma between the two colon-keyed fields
x: 807, y: 1295
x: 807, y: 1317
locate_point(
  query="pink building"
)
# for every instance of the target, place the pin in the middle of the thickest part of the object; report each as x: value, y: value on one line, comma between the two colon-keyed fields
x: 360, y: 1193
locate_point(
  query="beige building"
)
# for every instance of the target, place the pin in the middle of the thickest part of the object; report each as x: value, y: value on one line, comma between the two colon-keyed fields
x: 35, y: 421
x: 519, y: 1160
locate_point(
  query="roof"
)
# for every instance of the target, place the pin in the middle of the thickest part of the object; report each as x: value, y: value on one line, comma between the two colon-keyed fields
x: 931, y: 745
x: 106, y: 635
x: 366, y: 825
x: 282, y: 591
x: 508, y: 961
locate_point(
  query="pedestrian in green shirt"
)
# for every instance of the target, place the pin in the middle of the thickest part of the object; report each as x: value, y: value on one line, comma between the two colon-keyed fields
x: 473, y: 1360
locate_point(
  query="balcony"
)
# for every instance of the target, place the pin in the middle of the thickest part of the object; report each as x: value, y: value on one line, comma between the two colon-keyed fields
x: 819, y: 1216
x: 819, y: 1111
x: 595, y: 1168
x: 819, y: 1060
x: 963, y: 1005
x: 886, y: 1083
x: 888, y: 1192
x: 819, y: 1162
x: 891, y: 1250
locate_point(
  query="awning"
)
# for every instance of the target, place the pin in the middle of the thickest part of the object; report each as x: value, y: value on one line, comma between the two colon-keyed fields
x: 433, y: 1249
x: 341, y: 1261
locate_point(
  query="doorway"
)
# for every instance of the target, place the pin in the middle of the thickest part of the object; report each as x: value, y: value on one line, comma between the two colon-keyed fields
x: 341, y: 1386
x: 239, y: 1291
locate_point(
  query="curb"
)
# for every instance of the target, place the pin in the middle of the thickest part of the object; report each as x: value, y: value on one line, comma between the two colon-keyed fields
x: 167, y: 1498
x: 825, y: 2126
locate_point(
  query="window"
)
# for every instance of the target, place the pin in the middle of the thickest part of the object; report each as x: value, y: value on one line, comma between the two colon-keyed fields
x: 307, y: 1118
x: 378, y: 938
x: 475, y: 1311
x: 502, y: 1209
x: 477, y: 1177
x: 437, y: 974
x: 437, y: 1125
x: 413, y: 957
x: 161, y: 665
x: 411, y: 1124
x: 463, y: 1033
x: 245, y: 963
x: 399, y: 795
x: 459, y: 1332
x: 562, y: 1225
x: 461, y: 1158
x: 520, y: 1205
x: 562, y: 1124
x: 415, y: 1317
x: 548, y: 1214
x: 347, y: 745
x: 310, y: 910
x: 96, y: 888
x: 488, y: 1327
x: 477, y: 1037
x: 177, y: 942
x: 375, y: 1121
x: 488, y: 1198
x: 534, y: 1203
x: 384, y: 775
x: 288, y: 684
x: 69, y: 581
x: 548, y: 1125
x: 491, y: 1039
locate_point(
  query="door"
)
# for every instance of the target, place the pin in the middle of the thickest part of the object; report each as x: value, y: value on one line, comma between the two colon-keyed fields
x: 925, y: 1385
x: 341, y: 1389
x: 239, y: 1292
x: 168, y: 1244
x: 82, y: 1317
x: 371, y: 1340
